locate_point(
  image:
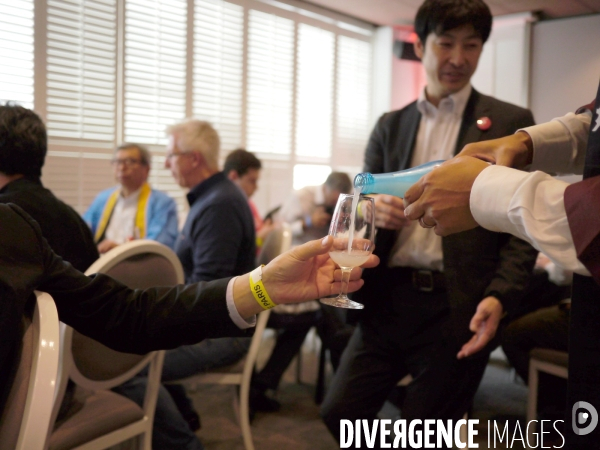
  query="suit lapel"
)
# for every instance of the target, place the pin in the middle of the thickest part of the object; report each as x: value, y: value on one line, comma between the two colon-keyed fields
x: 476, y: 108
x: 407, y: 135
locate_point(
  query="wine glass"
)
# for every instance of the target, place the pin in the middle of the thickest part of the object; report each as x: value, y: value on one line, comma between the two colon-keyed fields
x: 353, y: 231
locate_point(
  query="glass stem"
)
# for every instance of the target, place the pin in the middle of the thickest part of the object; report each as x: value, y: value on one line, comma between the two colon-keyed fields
x: 345, y: 279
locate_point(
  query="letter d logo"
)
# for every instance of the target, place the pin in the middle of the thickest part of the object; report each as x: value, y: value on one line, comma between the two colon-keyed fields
x: 582, y: 417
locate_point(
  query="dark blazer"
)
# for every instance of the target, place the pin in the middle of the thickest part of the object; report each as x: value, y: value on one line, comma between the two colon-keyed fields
x: 66, y: 232
x: 98, y: 306
x: 477, y: 263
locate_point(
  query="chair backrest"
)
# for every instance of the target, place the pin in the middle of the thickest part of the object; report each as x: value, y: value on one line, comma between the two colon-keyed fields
x: 138, y: 264
x: 277, y: 242
x: 29, y: 405
x: 90, y: 364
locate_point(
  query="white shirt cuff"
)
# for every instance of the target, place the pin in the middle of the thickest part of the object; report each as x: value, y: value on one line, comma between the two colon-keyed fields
x: 491, y: 195
x: 241, y: 323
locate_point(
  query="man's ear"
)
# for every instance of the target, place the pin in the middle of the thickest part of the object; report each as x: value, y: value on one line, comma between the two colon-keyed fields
x: 419, y: 48
x: 233, y: 175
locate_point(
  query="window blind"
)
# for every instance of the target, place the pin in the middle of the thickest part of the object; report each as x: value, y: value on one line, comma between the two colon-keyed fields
x: 353, y: 98
x: 155, y: 68
x: 314, y: 91
x: 218, y: 68
x: 270, y: 83
x: 81, y: 69
x: 16, y: 52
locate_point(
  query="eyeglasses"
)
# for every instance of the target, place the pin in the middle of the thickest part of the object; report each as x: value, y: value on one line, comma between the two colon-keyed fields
x: 127, y: 162
x: 170, y: 156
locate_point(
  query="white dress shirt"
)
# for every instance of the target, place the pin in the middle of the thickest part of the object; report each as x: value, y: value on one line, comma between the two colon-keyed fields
x: 531, y: 205
x: 121, y: 227
x: 436, y: 139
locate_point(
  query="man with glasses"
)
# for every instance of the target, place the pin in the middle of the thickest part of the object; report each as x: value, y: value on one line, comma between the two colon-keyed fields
x: 132, y: 210
x: 216, y: 241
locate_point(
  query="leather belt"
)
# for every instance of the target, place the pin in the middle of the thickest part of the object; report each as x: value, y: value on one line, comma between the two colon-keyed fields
x: 429, y: 281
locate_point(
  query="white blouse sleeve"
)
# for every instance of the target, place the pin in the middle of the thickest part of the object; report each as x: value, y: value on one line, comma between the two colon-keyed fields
x: 559, y: 146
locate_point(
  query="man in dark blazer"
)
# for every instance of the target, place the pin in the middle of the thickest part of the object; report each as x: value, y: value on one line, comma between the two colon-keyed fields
x: 432, y: 307
x: 23, y: 147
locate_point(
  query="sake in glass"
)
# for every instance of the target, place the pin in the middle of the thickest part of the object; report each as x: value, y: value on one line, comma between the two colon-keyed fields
x: 353, y: 231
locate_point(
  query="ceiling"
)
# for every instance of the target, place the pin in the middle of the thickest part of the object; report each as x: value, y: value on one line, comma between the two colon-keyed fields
x: 402, y: 12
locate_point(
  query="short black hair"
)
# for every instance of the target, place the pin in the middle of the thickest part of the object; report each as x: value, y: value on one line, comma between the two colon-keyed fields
x: 241, y: 161
x: 23, y: 141
x: 339, y: 181
x: 439, y: 16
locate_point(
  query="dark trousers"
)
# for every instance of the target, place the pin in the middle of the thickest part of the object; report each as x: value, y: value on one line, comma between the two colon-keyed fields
x: 584, y: 365
x: 545, y: 328
x: 291, y: 332
x: 376, y: 359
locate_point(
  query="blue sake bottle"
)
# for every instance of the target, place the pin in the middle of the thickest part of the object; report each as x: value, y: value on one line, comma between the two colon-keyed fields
x: 394, y: 183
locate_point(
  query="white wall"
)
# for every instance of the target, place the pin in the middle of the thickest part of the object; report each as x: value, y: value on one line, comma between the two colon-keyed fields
x: 565, y: 65
x: 503, y: 69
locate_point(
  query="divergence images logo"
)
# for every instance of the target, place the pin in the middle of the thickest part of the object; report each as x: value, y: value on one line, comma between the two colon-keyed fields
x: 579, y: 418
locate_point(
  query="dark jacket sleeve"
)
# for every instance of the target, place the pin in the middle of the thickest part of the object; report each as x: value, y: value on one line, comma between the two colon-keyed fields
x: 374, y: 154
x: 582, y: 204
x: 133, y: 321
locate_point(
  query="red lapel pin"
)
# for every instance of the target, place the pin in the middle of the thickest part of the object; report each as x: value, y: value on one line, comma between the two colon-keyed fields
x: 484, y: 123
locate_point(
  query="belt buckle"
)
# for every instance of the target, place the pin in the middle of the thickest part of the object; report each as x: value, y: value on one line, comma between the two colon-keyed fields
x: 423, y: 280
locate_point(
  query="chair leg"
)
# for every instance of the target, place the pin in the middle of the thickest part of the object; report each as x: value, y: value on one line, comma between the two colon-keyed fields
x: 532, y: 399
x: 320, y: 388
x: 299, y: 367
x: 245, y: 416
x: 146, y: 440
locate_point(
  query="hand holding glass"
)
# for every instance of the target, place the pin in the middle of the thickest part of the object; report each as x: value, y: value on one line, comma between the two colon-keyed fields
x: 353, y: 231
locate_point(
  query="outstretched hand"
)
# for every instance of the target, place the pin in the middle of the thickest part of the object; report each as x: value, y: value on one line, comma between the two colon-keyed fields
x: 307, y: 272
x: 441, y: 198
x: 484, y: 324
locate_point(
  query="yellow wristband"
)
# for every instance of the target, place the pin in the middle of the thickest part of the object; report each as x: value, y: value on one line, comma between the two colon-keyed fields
x: 258, y: 289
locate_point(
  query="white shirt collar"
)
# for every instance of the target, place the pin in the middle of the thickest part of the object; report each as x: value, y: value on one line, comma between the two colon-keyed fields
x: 132, y: 198
x: 454, y: 103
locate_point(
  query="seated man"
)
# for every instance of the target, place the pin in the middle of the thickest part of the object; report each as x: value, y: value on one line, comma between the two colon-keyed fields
x: 243, y: 168
x: 309, y: 211
x: 217, y: 240
x: 544, y: 323
x: 22, y: 156
x: 132, y: 210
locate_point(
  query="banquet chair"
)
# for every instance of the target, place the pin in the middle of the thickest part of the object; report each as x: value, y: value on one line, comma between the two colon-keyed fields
x: 28, y: 408
x: 554, y: 362
x: 277, y: 242
x: 240, y: 374
x: 105, y: 418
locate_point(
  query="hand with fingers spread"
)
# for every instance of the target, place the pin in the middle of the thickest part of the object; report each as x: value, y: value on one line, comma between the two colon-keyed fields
x: 440, y: 199
x: 484, y: 324
x: 389, y: 212
x: 514, y: 151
